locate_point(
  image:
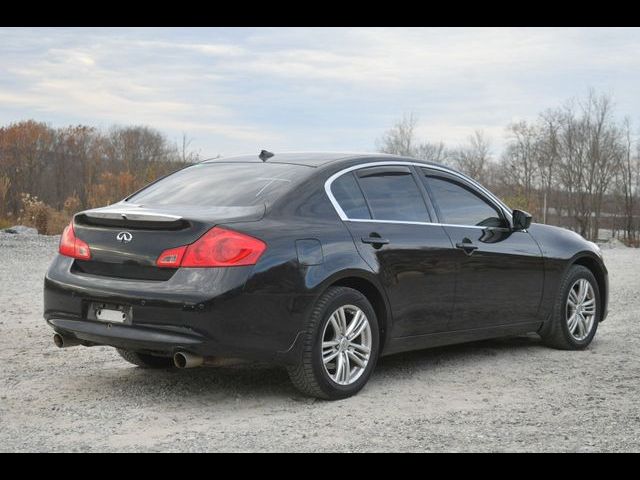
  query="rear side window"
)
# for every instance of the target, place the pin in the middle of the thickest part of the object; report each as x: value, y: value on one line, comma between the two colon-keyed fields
x: 460, y: 206
x: 222, y: 185
x: 349, y: 196
x: 393, y: 194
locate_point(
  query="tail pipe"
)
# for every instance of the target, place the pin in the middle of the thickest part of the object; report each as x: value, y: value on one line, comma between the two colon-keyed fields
x: 187, y: 360
x: 62, y: 341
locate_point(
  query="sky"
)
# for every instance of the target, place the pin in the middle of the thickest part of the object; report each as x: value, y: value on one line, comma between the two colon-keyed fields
x: 240, y: 90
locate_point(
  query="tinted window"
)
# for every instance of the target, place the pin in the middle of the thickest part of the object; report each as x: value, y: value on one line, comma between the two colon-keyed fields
x: 393, y: 194
x: 222, y: 184
x: 460, y: 206
x: 349, y: 197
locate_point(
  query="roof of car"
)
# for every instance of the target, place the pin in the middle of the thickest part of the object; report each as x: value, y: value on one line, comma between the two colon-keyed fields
x: 311, y: 159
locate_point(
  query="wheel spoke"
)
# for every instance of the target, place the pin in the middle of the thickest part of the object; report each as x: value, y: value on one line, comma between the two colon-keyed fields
x: 584, y: 289
x: 327, y: 357
x: 573, y: 296
x: 362, y: 348
x: 586, y: 324
x: 573, y: 320
x: 342, y: 320
x: 347, y: 368
x: 335, y: 324
x: 580, y: 325
x: 357, y: 320
x: 356, y: 331
x: 339, y: 367
x: 361, y: 362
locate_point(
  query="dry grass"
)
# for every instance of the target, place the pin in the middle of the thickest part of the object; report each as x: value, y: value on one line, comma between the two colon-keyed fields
x: 48, y: 221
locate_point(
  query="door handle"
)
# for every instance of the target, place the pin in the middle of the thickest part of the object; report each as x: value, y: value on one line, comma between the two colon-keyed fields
x: 468, y: 247
x: 375, y: 241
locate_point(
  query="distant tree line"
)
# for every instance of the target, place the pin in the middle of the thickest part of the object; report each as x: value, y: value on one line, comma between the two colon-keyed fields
x: 575, y: 166
x: 47, y: 174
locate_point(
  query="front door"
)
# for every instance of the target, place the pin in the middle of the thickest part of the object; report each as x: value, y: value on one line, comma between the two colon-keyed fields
x: 500, y: 271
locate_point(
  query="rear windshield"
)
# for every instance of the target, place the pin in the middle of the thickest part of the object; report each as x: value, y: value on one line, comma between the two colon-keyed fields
x: 222, y: 184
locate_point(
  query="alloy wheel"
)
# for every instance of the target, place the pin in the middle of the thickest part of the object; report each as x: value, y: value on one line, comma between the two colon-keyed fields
x: 581, y: 309
x: 346, y: 345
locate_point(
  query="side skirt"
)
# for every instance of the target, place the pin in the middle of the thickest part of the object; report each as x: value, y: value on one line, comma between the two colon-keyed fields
x: 418, y: 342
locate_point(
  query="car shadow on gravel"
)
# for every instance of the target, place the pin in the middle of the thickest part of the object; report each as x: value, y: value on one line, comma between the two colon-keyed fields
x: 261, y: 381
x: 463, y: 352
x: 244, y: 379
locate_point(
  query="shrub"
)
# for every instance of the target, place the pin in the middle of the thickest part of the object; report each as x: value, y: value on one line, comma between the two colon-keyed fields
x: 35, y: 213
x: 48, y: 221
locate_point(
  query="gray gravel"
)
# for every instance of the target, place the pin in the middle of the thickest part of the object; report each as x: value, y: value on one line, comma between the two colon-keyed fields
x: 504, y: 395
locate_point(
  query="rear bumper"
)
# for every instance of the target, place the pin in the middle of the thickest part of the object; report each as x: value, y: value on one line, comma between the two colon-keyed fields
x: 202, y: 311
x: 129, y: 337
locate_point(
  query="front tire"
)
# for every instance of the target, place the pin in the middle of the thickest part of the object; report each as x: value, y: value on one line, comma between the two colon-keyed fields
x: 576, y: 312
x: 340, y: 346
x: 145, y: 361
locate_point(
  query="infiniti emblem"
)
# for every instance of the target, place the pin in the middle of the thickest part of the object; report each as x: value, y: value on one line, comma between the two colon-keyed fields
x: 124, y: 237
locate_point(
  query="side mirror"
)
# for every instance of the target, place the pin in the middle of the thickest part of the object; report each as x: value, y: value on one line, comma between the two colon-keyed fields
x: 521, y: 220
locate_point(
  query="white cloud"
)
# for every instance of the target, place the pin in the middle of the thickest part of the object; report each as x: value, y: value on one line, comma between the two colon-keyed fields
x: 338, y: 87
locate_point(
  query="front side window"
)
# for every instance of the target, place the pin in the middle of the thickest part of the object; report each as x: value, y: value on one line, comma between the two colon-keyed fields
x: 460, y: 206
x: 392, y: 194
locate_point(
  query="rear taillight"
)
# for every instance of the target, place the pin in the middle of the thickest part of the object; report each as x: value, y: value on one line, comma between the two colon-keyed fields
x: 71, y: 246
x: 218, y: 247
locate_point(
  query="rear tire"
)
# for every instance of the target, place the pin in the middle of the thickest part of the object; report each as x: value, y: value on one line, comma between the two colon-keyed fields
x: 145, y: 361
x: 336, y: 361
x: 567, y: 331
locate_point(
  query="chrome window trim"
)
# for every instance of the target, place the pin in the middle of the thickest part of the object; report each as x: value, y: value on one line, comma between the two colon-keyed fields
x: 343, y: 216
x: 402, y: 222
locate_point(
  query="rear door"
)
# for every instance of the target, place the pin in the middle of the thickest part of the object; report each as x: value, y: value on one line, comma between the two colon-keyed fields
x: 387, y: 212
x: 500, y: 272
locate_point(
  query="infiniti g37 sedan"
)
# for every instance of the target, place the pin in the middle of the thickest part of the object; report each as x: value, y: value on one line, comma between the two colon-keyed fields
x: 319, y: 262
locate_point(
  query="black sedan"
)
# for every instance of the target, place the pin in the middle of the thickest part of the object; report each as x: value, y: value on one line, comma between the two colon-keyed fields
x: 319, y: 262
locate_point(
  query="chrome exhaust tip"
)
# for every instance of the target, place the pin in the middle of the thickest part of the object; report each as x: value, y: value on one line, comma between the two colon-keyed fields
x: 187, y: 360
x: 65, y: 342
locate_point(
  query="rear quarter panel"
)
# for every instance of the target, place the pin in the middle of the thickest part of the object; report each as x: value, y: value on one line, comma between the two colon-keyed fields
x: 283, y: 287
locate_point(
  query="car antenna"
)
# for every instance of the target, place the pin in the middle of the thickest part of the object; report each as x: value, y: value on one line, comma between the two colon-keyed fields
x: 265, y: 155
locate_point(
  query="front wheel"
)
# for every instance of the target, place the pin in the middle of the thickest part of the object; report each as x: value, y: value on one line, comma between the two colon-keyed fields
x: 340, y: 346
x: 576, y: 312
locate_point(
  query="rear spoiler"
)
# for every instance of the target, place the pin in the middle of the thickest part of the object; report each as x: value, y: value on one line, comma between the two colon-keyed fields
x: 134, y: 216
x: 126, y: 218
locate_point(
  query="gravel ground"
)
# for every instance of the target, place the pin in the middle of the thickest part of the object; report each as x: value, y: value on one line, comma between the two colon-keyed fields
x: 504, y: 395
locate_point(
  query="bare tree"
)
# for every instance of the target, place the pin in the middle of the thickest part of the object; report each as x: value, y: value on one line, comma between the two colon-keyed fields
x: 433, y: 152
x: 548, y: 156
x: 400, y: 138
x: 520, y: 157
x: 473, y: 157
x: 187, y: 155
x: 627, y: 180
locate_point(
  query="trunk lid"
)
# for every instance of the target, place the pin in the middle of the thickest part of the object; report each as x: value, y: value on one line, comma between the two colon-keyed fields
x: 126, y: 239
